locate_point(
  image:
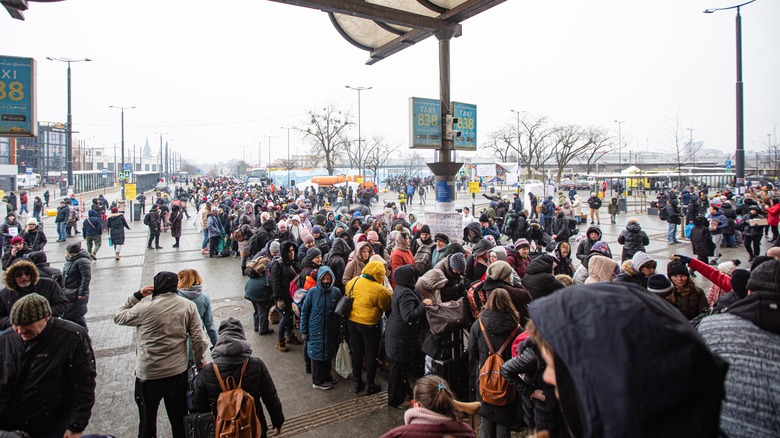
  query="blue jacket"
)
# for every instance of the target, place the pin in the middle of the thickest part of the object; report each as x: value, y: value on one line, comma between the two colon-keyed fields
x: 723, y: 222
x: 203, y: 303
x: 92, y: 225
x: 492, y: 231
x: 550, y: 208
x: 318, y: 319
x: 213, y: 226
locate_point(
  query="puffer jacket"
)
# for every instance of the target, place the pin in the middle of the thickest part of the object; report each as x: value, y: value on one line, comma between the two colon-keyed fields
x: 499, y: 326
x: 403, y: 324
x: 62, y: 389
x: 584, y: 247
x: 701, y: 237
x: 517, y: 263
x: 355, y: 266
x: 92, y: 225
x: 336, y: 259
x: 45, y: 287
x: 230, y: 353
x: 318, y: 319
x: 690, y: 300
x: 283, y: 271
x: 539, y: 278
x: 371, y: 298
x: 116, y: 224
x: 77, y: 272
x: 633, y: 239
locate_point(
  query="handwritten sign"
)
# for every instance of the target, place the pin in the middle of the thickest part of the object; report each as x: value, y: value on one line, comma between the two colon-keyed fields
x: 450, y: 224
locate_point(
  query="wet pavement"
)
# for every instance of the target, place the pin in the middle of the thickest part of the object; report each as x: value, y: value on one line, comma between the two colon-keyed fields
x: 309, y: 412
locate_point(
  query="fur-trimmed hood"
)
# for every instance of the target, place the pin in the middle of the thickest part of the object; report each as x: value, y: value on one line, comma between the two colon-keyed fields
x: 9, y: 278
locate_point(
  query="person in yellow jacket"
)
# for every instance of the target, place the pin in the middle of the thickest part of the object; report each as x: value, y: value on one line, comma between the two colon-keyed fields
x: 371, y: 300
x: 402, y: 201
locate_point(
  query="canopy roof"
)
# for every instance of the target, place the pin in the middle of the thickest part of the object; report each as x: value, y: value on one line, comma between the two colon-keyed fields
x: 384, y: 27
x: 16, y: 7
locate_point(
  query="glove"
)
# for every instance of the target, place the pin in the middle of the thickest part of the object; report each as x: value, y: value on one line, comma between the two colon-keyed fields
x: 682, y: 258
x: 305, y: 337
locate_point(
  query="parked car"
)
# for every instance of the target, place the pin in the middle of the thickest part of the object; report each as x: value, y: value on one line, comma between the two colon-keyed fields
x: 584, y: 184
x: 567, y: 184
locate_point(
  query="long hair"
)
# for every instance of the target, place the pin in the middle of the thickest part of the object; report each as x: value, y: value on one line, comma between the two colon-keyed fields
x: 189, y: 278
x: 434, y: 394
x: 500, y: 301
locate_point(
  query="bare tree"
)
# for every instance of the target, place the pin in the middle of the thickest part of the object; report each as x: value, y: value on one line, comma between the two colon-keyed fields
x: 326, y: 134
x: 571, y: 141
x: 599, y: 144
x: 675, y: 139
x: 503, y: 143
x: 535, y: 142
x: 377, y: 154
x: 411, y: 163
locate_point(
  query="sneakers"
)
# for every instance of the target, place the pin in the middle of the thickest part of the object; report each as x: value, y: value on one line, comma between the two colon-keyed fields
x: 292, y: 340
x: 266, y: 332
x: 325, y: 386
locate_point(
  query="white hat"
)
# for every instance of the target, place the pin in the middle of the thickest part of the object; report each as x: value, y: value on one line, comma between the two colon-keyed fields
x: 32, y: 221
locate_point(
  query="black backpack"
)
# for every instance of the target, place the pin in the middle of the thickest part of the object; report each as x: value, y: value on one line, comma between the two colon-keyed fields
x: 663, y: 214
x: 148, y: 219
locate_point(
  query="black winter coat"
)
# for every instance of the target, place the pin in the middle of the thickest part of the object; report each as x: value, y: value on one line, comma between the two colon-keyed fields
x: 283, y: 272
x: 257, y: 382
x: 633, y: 239
x: 519, y: 295
x: 48, y: 381
x: 701, y: 241
x: 336, y: 259
x: 403, y: 324
x: 48, y: 288
x: 499, y: 326
x: 116, y: 224
x: 539, y: 279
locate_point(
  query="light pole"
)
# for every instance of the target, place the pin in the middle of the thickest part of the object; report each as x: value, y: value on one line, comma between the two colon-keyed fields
x: 288, y: 154
x: 620, y: 155
x: 360, y: 139
x: 518, y: 147
x: 268, y: 137
x: 691, y: 150
x: 122, y: 109
x: 740, y: 155
x: 69, y: 133
x: 159, y: 169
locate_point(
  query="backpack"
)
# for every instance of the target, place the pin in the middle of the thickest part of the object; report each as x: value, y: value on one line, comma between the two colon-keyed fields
x: 476, y: 298
x: 148, y: 219
x: 663, y: 214
x: 236, y: 416
x: 493, y: 387
x: 299, y: 287
x: 543, y: 209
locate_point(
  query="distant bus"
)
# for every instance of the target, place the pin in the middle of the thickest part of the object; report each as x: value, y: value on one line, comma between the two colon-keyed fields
x: 184, y: 177
x: 257, y: 176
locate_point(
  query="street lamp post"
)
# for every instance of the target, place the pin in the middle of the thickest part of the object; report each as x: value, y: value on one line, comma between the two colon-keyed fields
x: 122, y: 109
x: 620, y: 152
x: 268, y: 137
x: 69, y: 133
x: 360, y: 138
x: 740, y: 154
x: 159, y: 169
x: 288, y: 154
x: 518, y: 147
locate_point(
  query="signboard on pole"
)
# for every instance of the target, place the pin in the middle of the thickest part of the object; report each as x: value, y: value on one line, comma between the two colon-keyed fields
x: 17, y: 97
x: 473, y: 187
x: 130, y: 191
x: 426, y: 127
x: 105, y: 172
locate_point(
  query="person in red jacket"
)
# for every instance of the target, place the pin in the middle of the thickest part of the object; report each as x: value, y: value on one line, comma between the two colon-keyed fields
x: 773, y: 217
x: 401, y: 255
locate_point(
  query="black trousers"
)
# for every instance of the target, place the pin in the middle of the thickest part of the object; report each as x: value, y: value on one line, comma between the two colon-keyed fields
x: 398, y: 382
x: 213, y: 242
x: 320, y: 371
x: 154, y: 237
x: 365, y: 344
x: 753, y: 245
x: 260, y: 316
x: 148, y: 394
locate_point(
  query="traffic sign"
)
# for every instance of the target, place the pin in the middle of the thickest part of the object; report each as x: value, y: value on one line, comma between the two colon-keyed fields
x: 473, y: 186
x: 127, y: 174
x: 127, y: 166
x: 105, y: 172
x: 29, y: 170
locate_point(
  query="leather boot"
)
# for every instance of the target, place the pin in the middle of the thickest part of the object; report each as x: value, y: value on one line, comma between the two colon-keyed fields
x: 280, y: 345
x: 292, y: 340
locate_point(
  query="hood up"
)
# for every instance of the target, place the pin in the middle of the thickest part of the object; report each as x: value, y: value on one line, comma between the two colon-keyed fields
x: 232, y: 343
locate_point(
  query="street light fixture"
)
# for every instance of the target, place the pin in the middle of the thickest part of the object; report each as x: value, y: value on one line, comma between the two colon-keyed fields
x: 740, y: 154
x: 69, y: 133
x: 122, y: 109
x: 518, y: 147
x: 360, y: 138
x: 288, y: 155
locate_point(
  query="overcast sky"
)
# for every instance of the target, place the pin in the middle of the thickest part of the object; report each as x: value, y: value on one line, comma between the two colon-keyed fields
x: 220, y: 76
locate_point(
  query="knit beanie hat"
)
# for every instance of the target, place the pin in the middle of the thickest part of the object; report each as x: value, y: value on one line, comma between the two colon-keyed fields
x: 443, y: 237
x: 307, y: 237
x: 758, y: 261
x: 316, y: 229
x: 499, y: 270
x: 372, y: 236
x: 458, y: 262
x: 16, y: 239
x: 275, y: 247
x: 676, y: 267
x: 313, y: 253
x: 765, y: 278
x: 739, y: 280
x: 425, y: 229
x: 729, y: 267
x: 484, y: 218
x: 660, y: 285
x: 73, y: 248
x: 29, y: 309
x: 522, y: 243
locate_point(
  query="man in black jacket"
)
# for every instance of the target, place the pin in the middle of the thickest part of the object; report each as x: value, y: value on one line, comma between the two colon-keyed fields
x: 22, y: 279
x: 62, y: 221
x: 47, y: 384
x: 154, y: 227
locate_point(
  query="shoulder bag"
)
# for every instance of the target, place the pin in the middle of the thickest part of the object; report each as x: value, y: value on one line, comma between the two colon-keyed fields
x: 344, y: 306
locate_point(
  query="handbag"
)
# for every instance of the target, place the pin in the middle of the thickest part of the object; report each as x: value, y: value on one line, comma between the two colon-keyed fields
x: 445, y: 317
x: 344, y: 306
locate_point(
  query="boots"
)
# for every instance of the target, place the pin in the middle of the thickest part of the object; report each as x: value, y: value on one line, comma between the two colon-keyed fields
x: 281, y: 346
x: 292, y: 340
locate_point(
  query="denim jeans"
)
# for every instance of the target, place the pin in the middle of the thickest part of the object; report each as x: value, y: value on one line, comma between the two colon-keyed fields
x: 491, y: 429
x: 62, y: 230
x: 671, y: 233
x: 285, y: 327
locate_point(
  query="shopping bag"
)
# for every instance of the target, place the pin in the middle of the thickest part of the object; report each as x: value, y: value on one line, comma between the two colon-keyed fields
x: 344, y: 361
x: 110, y: 242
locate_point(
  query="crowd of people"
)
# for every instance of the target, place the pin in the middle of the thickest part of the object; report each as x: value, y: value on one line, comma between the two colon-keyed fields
x: 538, y: 324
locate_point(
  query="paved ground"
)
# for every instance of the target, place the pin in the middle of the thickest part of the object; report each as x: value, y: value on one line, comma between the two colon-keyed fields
x: 309, y: 412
